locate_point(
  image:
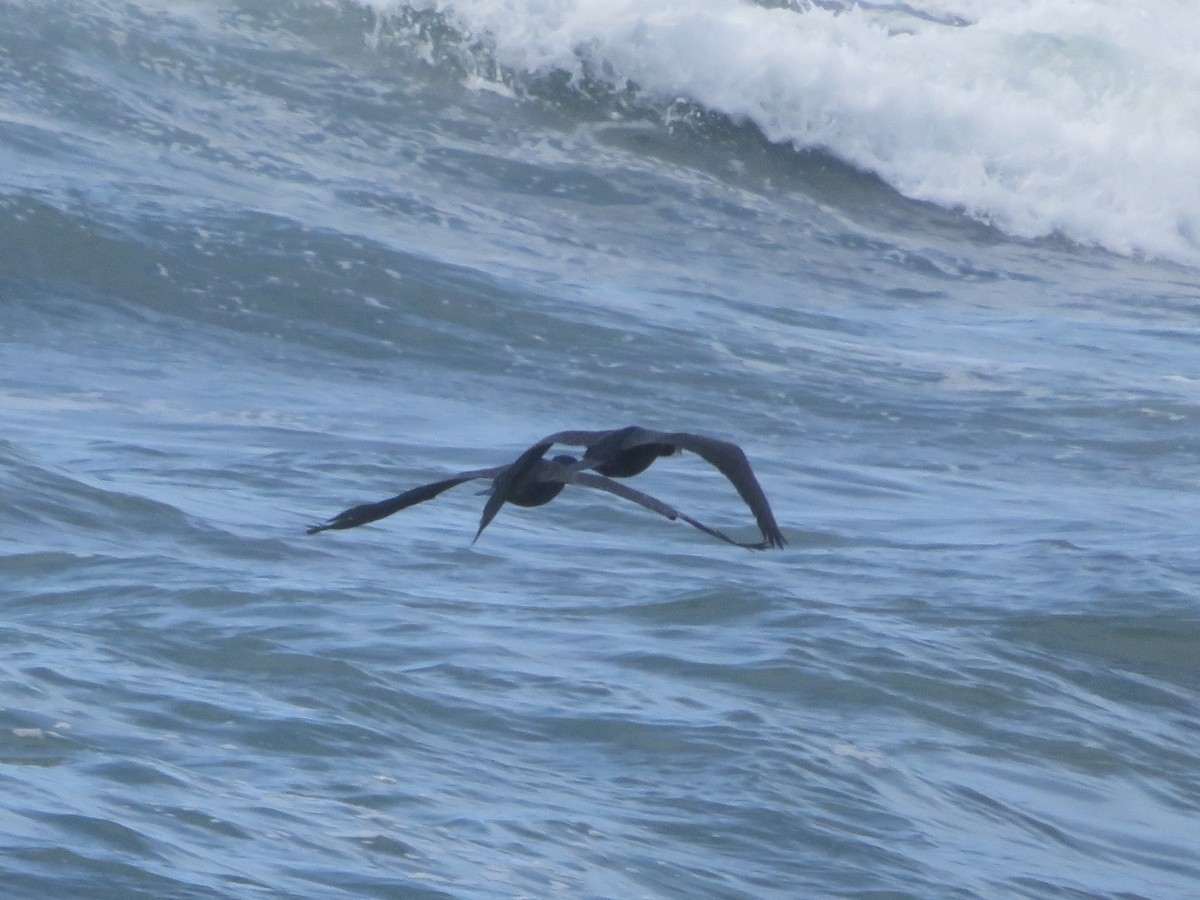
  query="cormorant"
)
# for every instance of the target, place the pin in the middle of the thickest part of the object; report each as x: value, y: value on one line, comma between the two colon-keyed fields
x: 623, y: 452
x: 528, y: 481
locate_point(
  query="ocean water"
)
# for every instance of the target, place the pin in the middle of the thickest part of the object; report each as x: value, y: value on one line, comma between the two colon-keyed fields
x: 935, y: 265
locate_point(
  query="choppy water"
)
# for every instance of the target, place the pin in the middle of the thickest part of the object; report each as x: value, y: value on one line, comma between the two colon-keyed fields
x: 934, y: 265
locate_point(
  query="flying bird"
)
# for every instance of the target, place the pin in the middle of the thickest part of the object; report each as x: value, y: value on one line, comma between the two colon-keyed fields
x: 529, y: 481
x: 624, y: 452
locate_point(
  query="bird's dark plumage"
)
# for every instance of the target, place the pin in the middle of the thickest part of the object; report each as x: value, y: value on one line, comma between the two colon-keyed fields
x: 532, y: 480
x: 623, y: 452
x: 523, y: 483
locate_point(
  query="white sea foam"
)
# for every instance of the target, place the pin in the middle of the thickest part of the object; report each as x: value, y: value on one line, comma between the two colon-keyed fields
x: 1075, y: 117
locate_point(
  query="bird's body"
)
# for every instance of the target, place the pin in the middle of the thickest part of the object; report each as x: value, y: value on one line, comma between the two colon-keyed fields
x: 625, y: 462
x: 539, y: 494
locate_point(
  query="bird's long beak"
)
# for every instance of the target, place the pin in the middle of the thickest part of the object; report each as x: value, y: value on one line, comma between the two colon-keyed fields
x: 489, y: 513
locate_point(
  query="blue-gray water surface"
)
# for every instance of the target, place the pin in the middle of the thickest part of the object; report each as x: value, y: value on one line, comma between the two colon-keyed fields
x: 261, y: 260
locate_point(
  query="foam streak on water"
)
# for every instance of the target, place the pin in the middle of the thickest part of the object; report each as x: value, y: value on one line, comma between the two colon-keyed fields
x: 932, y: 264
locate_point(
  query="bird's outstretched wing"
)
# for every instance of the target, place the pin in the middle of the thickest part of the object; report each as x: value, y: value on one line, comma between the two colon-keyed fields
x: 601, y: 483
x: 731, y: 461
x: 370, y: 512
x: 583, y: 438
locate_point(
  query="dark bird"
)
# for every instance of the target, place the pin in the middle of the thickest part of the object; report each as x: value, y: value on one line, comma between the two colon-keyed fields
x: 623, y: 452
x: 529, y: 481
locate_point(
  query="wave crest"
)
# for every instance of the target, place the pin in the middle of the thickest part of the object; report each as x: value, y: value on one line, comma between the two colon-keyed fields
x: 1044, y: 118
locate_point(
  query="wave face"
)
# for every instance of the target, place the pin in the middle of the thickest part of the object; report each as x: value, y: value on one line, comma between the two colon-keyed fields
x: 1042, y: 118
x: 261, y: 260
